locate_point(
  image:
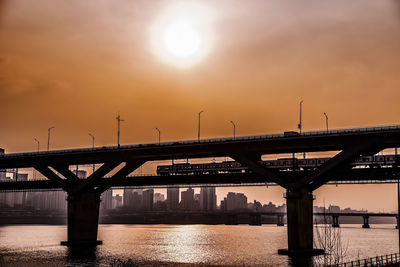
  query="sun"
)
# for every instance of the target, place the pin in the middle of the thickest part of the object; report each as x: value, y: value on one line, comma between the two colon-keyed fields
x: 181, y: 35
x: 181, y: 39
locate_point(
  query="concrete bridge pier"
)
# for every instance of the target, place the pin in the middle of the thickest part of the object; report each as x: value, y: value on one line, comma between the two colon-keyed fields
x: 280, y: 220
x: 232, y: 219
x: 335, y: 221
x: 300, y: 224
x: 365, y: 221
x: 83, y: 219
x: 255, y: 219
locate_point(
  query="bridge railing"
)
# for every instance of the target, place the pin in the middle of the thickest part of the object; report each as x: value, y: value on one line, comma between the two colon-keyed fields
x: 210, y: 140
x: 384, y: 260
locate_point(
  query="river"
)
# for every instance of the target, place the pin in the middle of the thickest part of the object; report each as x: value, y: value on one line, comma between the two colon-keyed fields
x: 170, y: 245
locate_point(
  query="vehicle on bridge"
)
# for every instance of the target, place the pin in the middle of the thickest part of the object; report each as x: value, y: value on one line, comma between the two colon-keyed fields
x: 282, y: 164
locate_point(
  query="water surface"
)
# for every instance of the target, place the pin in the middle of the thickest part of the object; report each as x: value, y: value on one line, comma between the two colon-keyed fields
x: 39, y: 245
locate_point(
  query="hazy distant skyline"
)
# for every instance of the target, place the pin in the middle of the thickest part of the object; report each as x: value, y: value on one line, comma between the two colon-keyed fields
x: 74, y: 65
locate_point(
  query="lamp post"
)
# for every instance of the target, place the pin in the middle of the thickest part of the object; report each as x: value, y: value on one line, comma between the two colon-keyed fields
x: 38, y: 149
x: 198, y: 133
x: 234, y: 130
x: 91, y: 135
x: 48, y: 137
x: 118, y: 118
x: 300, y: 123
x: 159, y: 135
x: 326, y: 120
x: 38, y: 144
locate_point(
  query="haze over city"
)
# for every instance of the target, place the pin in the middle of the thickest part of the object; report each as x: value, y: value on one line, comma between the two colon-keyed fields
x: 74, y: 65
x: 186, y: 133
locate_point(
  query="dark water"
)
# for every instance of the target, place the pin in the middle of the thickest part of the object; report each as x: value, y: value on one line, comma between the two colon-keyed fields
x: 171, y: 245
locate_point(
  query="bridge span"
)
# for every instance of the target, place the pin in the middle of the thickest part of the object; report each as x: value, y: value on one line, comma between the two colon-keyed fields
x: 84, y: 194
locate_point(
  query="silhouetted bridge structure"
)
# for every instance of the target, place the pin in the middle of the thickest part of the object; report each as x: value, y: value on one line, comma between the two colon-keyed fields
x: 84, y: 194
x: 253, y: 217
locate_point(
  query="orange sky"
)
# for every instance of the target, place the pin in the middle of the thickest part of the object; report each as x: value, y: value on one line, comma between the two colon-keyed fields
x: 75, y: 64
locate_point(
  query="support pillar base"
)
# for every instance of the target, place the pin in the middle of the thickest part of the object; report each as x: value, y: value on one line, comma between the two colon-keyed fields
x: 301, y: 252
x: 81, y: 243
x: 365, y: 226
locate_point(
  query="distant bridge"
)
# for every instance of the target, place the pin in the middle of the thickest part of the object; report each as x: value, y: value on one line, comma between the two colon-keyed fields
x: 84, y: 194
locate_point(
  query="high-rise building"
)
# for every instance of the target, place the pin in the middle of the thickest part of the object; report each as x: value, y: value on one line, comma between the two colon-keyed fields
x: 208, y: 199
x: 158, y: 197
x: 172, y: 198
x: 235, y: 201
x: 116, y: 201
x: 80, y: 173
x: 132, y: 198
x: 106, y: 200
x: 187, y: 199
x: 19, y: 198
x: 148, y: 198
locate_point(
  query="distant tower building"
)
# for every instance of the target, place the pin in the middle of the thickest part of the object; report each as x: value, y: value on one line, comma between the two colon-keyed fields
x: 132, y: 198
x: 106, y: 200
x: 20, y: 197
x: 158, y: 197
x: 208, y: 199
x: 117, y: 201
x: 172, y: 198
x: 2, y: 172
x: 235, y: 201
x: 187, y: 199
x: 80, y: 173
x: 148, y: 198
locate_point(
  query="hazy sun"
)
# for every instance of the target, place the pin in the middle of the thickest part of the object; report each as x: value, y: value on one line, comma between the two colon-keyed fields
x: 181, y: 35
x: 181, y: 39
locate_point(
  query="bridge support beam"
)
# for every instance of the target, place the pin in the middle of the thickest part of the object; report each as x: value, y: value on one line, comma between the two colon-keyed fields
x: 365, y: 221
x: 335, y: 221
x: 83, y: 219
x: 300, y: 224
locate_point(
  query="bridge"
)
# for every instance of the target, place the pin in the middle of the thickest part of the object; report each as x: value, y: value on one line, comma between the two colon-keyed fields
x: 84, y: 194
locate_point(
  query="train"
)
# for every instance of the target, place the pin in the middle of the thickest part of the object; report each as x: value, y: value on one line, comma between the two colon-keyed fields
x: 281, y: 164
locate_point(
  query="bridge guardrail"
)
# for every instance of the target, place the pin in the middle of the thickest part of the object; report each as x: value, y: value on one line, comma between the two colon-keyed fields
x: 211, y: 140
x: 383, y: 260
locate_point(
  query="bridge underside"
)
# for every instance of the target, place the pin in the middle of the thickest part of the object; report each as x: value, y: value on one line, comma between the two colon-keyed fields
x: 84, y: 193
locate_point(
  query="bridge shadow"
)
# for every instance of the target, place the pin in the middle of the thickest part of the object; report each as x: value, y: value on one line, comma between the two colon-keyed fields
x: 82, y: 255
x: 301, y: 261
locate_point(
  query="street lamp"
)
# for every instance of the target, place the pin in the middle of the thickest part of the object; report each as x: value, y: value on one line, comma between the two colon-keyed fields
x: 326, y: 119
x: 119, y: 122
x: 91, y: 135
x: 38, y: 144
x: 234, y: 130
x: 159, y: 135
x: 300, y: 123
x: 38, y: 149
x: 198, y: 134
x: 94, y: 167
x: 48, y: 137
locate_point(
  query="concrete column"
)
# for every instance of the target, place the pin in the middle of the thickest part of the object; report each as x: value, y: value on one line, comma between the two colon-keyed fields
x: 83, y: 219
x: 366, y: 221
x: 232, y: 219
x: 280, y: 220
x: 300, y: 224
x: 335, y: 221
x: 255, y: 219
